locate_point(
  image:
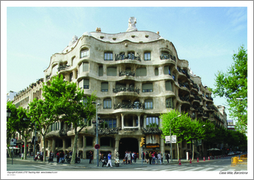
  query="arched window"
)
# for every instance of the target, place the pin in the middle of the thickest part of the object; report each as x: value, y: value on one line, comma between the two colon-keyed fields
x: 84, y: 53
x: 107, y: 103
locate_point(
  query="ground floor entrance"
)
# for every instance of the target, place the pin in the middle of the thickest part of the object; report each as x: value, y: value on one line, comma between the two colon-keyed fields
x: 128, y: 144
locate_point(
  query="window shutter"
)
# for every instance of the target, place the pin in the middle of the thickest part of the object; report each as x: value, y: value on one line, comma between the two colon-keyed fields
x: 85, y: 67
x: 100, y: 71
x: 104, y: 86
x: 168, y: 86
x: 166, y: 70
x: 141, y: 71
x: 111, y: 71
x: 156, y: 72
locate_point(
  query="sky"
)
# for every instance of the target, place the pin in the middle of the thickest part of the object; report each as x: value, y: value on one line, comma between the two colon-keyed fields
x: 206, y: 34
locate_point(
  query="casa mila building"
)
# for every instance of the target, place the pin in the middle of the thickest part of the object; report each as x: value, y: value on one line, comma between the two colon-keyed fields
x: 137, y: 76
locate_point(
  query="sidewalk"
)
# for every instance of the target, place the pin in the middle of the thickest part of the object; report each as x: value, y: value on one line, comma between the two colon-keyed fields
x: 85, y: 163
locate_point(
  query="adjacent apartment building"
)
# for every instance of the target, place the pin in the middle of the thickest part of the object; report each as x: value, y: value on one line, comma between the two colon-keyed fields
x: 137, y: 76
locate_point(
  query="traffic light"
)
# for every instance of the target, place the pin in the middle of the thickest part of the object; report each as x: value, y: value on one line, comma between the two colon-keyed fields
x: 142, y: 142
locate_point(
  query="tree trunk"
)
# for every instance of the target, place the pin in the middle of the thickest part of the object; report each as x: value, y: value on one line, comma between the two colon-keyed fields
x: 74, y: 152
x: 178, y: 153
x: 25, y: 149
x: 44, y: 149
x: 193, y: 150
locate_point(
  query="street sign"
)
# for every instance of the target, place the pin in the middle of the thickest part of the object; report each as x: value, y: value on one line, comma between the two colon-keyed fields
x: 167, y: 139
x: 13, y: 142
x: 97, y: 146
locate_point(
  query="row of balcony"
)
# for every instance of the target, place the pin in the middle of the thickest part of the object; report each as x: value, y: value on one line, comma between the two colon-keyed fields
x: 128, y: 89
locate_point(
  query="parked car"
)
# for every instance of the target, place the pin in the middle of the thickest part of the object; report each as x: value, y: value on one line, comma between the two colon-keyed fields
x: 231, y: 153
x: 238, y: 152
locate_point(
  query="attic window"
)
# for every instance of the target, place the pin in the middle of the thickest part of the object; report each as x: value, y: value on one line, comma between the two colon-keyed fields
x: 146, y: 36
x: 114, y: 39
x: 132, y: 36
x: 101, y: 37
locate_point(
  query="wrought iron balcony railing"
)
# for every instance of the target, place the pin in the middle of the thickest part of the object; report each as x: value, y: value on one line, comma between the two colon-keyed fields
x: 124, y: 89
x: 122, y: 56
x: 185, y: 98
x: 167, y: 56
x: 62, y: 67
x: 126, y: 73
x: 184, y: 85
x: 129, y: 106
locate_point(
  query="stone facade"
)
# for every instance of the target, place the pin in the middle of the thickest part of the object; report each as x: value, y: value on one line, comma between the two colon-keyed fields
x: 137, y: 76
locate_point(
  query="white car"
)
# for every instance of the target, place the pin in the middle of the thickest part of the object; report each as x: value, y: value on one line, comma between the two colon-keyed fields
x: 231, y: 153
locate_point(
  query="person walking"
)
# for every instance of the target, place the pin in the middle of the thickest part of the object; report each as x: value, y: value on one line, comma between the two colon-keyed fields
x: 150, y: 157
x: 159, y: 157
x: 167, y: 157
x: 90, y: 157
x: 109, y: 160
x: 57, y: 157
x: 155, y: 158
x: 147, y: 157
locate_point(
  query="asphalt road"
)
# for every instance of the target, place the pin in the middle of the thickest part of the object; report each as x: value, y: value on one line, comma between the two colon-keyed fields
x: 27, y: 168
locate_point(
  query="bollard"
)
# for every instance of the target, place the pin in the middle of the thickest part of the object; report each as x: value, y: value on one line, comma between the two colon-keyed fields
x: 204, y: 158
x: 208, y: 157
x: 216, y: 157
x: 179, y: 162
x: 197, y: 159
x: 190, y: 161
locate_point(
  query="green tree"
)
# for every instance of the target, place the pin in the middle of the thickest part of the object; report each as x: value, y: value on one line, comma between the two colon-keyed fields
x: 65, y: 99
x: 39, y: 113
x: 19, y: 122
x: 233, y: 86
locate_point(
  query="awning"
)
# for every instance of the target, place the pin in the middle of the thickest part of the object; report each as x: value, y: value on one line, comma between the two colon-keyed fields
x: 13, y: 148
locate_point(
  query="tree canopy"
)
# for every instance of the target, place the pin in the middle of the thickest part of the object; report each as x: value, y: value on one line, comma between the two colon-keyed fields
x: 69, y: 102
x: 233, y: 86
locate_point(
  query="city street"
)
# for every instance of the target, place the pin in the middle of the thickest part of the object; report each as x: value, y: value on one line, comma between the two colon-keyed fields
x: 220, y: 168
x: 221, y: 164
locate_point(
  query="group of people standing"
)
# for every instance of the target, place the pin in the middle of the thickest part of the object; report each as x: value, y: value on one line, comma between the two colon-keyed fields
x: 129, y: 156
x: 60, y: 155
x: 155, y: 158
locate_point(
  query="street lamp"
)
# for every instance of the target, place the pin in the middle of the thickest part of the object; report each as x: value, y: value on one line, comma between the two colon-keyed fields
x: 171, y: 137
x: 97, y: 124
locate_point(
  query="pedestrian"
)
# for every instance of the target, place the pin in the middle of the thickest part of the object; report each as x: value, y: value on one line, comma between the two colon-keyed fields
x: 167, y: 157
x: 147, y: 157
x: 57, y: 157
x: 155, y: 157
x: 90, y: 157
x: 150, y: 157
x: 135, y: 156
x: 129, y: 157
x: 159, y: 157
x: 109, y: 160
x: 131, y: 154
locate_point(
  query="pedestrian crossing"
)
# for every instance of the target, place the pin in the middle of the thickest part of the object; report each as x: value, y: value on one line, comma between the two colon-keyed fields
x: 185, y: 168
